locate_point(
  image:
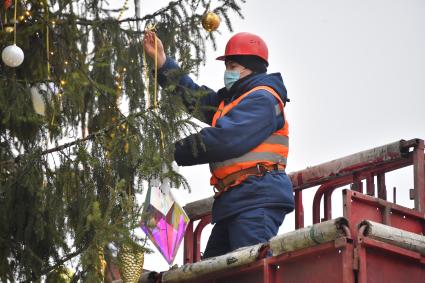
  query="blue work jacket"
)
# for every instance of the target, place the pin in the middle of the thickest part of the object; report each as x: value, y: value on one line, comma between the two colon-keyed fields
x: 247, y: 125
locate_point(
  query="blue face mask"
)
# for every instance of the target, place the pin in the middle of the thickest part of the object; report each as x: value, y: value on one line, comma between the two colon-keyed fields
x: 230, y: 77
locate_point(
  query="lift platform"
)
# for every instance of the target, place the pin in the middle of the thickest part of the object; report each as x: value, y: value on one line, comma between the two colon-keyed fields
x: 375, y: 241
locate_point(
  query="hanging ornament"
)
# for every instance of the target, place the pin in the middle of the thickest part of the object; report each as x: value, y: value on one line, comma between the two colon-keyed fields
x: 40, y: 94
x: 210, y: 21
x: 130, y: 262
x: 102, y: 263
x: 12, y: 56
x: 164, y: 220
x: 7, y: 4
x: 9, y: 29
x: 61, y: 274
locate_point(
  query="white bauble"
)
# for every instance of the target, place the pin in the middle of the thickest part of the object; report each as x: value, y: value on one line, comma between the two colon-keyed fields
x: 12, y: 55
x: 38, y: 101
x: 40, y: 94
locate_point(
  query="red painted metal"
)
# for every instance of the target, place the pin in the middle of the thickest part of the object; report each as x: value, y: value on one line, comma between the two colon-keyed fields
x: 370, y: 185
x: 188, y: 244
x: 357, y: 184
x: 327, y: 205
x: 358, y: 207
x: 419, y: 176
x: 382, y: 191
x: 299, y: 210
x: 394, y: 194
x: 355, y: 178
x: 382, y: 262
x: 322, y: 263
x: 205, y: 220
x: 328, y: 187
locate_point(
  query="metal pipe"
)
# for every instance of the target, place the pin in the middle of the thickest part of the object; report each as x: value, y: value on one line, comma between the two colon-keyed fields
x: 327, y: 204
x: 197, y: 237
x: 370, y: 185
x: 382, y: 190
x: 188, y: 244
x: 418, y: 175
x: 330, y: 186
x: 299, y: 210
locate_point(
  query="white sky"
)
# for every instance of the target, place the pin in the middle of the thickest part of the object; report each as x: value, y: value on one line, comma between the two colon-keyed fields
x: 355, y: 74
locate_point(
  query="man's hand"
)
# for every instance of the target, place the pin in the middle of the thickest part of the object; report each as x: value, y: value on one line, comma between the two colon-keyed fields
x: 149, y: 46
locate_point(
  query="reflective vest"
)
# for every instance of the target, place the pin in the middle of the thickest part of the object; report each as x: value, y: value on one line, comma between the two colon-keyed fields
x: 273, y: 150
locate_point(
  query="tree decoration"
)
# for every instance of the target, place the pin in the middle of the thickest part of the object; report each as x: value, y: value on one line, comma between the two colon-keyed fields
x: 70, y: 180
x: 130, y: 261
x: 7, y: 4
x: 164, y: 220
x: 210, y: 21
x: 12, y: 56
x: 40, y: 94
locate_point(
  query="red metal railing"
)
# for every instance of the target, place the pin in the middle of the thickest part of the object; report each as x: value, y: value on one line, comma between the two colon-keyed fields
x: 349, y: 170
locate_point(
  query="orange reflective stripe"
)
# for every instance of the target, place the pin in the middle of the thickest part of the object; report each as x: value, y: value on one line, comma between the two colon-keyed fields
x: 223, y: 110
x: 218, y: 113
x: 251, y: 157
x: 275, y: 148
x: 235, y: 102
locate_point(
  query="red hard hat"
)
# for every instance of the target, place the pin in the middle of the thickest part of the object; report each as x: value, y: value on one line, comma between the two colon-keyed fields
x: 245, y: 43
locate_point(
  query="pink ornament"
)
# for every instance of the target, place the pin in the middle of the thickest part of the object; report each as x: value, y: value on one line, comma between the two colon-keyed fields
x: 164, y: 221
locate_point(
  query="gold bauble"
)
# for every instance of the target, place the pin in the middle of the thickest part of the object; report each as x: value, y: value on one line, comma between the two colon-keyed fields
x: 210, y: 21
x: 9, y: 29
x: 130, y: 264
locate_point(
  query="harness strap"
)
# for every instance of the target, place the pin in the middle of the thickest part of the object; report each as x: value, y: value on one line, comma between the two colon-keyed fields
x: 223, y: 185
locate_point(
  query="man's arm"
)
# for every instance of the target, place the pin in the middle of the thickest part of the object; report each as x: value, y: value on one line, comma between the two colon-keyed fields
x: 246, y: 126
x: 191, y: 93
x: 169, y: 73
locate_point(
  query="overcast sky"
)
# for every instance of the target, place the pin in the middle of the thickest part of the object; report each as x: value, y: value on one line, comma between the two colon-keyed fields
x: 355, y: 74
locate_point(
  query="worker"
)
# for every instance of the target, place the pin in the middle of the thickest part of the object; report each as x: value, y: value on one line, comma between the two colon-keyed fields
x: 246, y: 144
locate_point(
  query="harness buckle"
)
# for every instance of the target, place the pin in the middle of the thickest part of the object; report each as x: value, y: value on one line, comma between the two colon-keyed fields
x: 261, y: 169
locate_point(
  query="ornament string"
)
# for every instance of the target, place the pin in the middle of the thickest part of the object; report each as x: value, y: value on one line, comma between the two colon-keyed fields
x: 47, y: 43
x: 146, y: 74
x: 155, y: 89
x: 48, y: 58
x: 14, y: 23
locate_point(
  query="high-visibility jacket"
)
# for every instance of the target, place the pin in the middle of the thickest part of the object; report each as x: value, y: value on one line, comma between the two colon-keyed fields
x: 273, y: 150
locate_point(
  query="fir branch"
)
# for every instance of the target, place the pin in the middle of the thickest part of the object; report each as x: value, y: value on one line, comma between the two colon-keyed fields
x: 87, y: 22
x: 59, y: 263
x: 80, y: 140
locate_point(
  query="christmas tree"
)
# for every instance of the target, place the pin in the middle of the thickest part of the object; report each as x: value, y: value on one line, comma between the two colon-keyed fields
x: 83, y: 127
